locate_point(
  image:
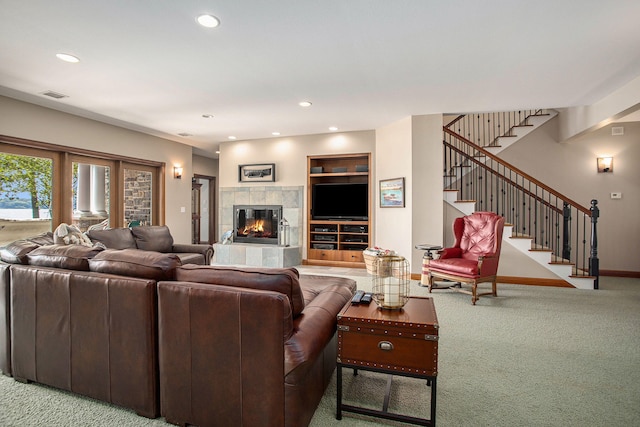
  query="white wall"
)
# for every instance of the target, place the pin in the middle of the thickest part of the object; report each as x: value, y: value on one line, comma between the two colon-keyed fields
x: 28, y: 121
x: 411, y: 148
x: 427, y: 205
x: 290, y: 157
x: 393, y: 160
x: 582, y: 119
x: 570, y: 168
x: 205, y: 166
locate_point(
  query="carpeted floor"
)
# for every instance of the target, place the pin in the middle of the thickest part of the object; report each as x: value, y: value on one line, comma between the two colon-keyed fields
x: 534, y: 356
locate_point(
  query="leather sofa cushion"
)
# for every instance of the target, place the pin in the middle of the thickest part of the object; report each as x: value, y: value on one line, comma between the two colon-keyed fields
x: 153, y: 238
x: 113, y: 238
x: 283, y: 280
x: 71, y: 257
x: 136, y: 263
x: 45, y: 238
x: 16, y: 252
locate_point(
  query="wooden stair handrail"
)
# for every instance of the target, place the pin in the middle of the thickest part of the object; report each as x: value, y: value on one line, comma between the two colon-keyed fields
x: 578, y: 206
x: 497, y: 174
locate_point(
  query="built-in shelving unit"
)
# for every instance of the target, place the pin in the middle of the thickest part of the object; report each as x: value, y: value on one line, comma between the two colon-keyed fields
x: 338, y: 242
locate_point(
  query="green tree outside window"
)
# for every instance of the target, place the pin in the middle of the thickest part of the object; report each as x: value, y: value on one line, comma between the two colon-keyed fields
x: 26, y: 174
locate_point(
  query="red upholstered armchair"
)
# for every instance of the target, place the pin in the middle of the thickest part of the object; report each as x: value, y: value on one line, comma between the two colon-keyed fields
x: 474, y: 257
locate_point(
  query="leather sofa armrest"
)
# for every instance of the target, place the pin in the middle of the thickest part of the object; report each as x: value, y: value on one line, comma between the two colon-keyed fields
x: 5, y: 320
x: 450, y: 253
x: 204, y: 249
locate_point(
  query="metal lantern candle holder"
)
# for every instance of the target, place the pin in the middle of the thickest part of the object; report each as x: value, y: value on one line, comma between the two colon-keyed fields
x: 391, y: 282
x: 284, y: 232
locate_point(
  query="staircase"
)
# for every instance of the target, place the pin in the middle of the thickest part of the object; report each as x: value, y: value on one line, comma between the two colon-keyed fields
x: 543, y: 224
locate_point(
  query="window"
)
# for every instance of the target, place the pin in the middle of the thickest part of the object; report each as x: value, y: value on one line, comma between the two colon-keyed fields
x: 26, y: 194
x: 91, y: 189
x: 74, y: 186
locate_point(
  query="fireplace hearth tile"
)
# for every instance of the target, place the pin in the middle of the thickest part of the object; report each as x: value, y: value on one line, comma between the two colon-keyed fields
x: 257, y: 255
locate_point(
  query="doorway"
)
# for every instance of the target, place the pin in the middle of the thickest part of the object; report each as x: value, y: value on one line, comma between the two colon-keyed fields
x: 203, y: 201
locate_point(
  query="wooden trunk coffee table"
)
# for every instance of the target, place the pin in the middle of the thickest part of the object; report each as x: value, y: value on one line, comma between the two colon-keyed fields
x: 398, y: 342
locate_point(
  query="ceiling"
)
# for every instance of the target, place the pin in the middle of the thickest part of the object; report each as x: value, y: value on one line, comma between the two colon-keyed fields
x: 147, y: 65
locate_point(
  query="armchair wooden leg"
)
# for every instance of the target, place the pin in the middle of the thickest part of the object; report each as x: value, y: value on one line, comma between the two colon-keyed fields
x: 474, y: 293
x: 430, y: 282
x: 494, y: 288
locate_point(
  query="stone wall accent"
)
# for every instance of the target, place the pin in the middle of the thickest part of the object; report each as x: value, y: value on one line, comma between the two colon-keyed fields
x: 137, y: 196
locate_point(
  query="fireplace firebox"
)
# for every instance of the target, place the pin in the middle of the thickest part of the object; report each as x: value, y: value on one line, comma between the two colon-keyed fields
x: 256, y: 223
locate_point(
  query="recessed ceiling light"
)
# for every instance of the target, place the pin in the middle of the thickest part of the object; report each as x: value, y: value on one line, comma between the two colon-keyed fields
x: 67, y: 57
x: 305, y: 104
x: 275, y: 133
x: 208, y: 21
x: 231, y: 137
x: 333, y: 128
x: 208, y: 116
x: 184, y: 134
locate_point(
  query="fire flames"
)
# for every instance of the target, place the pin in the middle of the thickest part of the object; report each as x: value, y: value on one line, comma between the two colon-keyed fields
x: 255, y: 229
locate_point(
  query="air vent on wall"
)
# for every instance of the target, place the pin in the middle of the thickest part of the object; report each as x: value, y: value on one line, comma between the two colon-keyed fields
x: 53, y: 94
x: 617, y: 130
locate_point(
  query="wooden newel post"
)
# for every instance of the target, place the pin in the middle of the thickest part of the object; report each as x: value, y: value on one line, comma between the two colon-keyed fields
x: 594, y: 263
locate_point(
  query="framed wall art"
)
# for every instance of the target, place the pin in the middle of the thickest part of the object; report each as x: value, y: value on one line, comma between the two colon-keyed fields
x: 392, y: 193
x: 261, y: 172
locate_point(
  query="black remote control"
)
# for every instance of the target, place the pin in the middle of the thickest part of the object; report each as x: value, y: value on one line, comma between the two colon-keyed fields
x: 366, y: 298
x: 357, y: 297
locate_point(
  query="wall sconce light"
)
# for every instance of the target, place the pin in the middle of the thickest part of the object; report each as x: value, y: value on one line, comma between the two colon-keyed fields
x: 177, y: 172
x: 605, y: 164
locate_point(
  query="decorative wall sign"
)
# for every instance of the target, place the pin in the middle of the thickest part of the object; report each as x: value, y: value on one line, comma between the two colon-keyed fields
x: 392, y: 193
x: 262, y: 172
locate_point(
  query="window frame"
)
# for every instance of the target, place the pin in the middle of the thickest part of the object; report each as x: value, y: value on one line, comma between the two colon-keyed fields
x: 63, y: 158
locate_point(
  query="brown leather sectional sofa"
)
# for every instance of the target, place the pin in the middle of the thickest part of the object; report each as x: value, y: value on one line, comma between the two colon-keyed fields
x: 197, y: 344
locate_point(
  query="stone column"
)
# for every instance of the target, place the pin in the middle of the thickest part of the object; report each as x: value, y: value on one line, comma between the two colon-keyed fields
x: 83, y: 202
x: 98, y: 190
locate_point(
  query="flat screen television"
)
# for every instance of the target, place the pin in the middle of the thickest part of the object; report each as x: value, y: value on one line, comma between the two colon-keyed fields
x: 340, y: 201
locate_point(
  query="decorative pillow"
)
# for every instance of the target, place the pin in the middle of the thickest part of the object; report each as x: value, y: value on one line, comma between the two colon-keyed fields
x: 16, y: 252
x: 136, y: 263
x: 153, y: 238
x: 71, y: 257
x: 113, y: 238
x: 104, y: 225
x: 283, y: 280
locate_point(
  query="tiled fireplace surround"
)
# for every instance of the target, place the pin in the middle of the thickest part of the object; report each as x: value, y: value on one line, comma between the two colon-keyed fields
x: 265, y: 255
